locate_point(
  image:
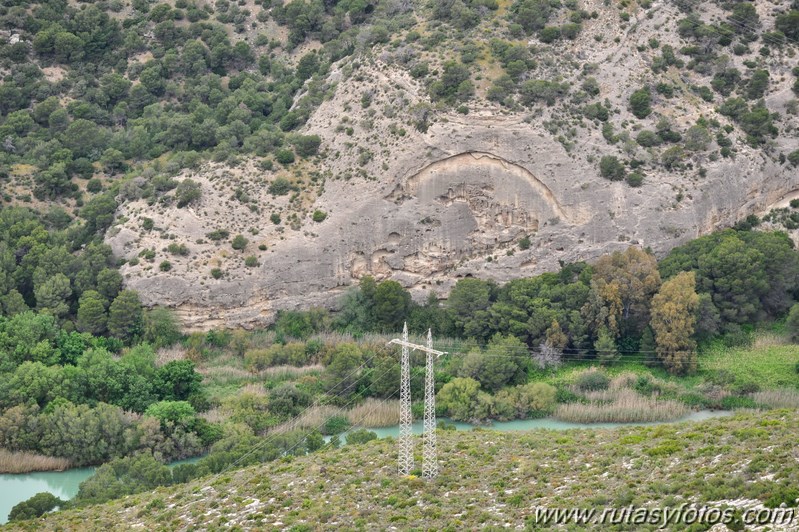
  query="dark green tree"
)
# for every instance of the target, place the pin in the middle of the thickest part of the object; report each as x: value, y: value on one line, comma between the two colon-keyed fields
x: 391, y: 306
x: 36, y: 506
x: 92, y: 317
x: 641, y: 103
x: 125, y: 316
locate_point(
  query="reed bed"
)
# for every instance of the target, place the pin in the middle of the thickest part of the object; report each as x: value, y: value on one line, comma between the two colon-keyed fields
x: 290, y: 372
x: 227, y: 376
x: 313, y: 418
x: 599, y: 396
x: 169, y: 354
x: 626, y: 379
x: 628, y: 407
x: 779, y: 398
x: 768, y: 339
x: 253, y: 388
x: 374, y: 413
x: 22, y: 462
x: 371, y: 413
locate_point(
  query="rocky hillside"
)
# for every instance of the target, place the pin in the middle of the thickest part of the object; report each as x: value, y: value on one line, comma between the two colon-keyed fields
x: 488, y: 479
x: 427, y: 142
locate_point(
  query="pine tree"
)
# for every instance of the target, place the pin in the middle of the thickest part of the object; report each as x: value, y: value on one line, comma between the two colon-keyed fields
x: 91, y: 313
x: 125, y: 316
x: 605, y: 346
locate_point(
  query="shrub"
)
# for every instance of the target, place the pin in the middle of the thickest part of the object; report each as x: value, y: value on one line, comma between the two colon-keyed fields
x: 187, y: 192
x: 284, y: 156
x: 216, y: 273
x: 454, y: 84
x: 275, y: 218
x: 147, y: 224
x: 306, y: 145
x: 218, y: 234
x: 251, y: 261
x: 524, y: 243
x: 793, y: 158
x: 535, y: 399
x: 596, y: 111
x: 672, y: 157
x: 94, y: 185
x: 239, y: 242
x: 641, y: 103
x: 165, y: 266
x: 696, y: 138
x: 732, y: 402
x: 178, y: 249
x: 335, y: 425
x: 635, y: 179
x: 782, y: 494
x: 647, y: 138
x: 792, y: 323
x: 534, y: 90
x: 360, y: 436
x: 279, y: 187
x: 549, y: 34
x: 36, y: 506
x: 319, y: 216
x: 174, y: 411
x: 592, y: 380
x: 611, y: 168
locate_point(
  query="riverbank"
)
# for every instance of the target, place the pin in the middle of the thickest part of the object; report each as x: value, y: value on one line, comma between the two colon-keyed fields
x: 65, y: 484
x: 487, y: 479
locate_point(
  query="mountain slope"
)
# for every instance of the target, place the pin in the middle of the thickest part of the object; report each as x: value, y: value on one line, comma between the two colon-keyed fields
x: 487, y: 479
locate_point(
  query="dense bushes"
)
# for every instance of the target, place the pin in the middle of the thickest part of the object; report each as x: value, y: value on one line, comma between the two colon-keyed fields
x: 36, y: 506
x: 601, y: 311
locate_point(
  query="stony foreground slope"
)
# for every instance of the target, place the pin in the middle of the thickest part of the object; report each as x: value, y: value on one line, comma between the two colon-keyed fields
x: 487, y: 479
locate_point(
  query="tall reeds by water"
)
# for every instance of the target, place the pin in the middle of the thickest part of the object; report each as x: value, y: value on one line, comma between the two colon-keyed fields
x: 624, y: 406
x: 22, y: 462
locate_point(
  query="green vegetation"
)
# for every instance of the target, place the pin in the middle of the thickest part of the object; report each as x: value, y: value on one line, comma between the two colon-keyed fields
x: 641, y: 103
x: 742, y: 457
x: 36, y: 506
x: 104, y: 104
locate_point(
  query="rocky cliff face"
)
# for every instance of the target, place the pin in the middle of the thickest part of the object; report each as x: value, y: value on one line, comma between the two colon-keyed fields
x: 427, y: 195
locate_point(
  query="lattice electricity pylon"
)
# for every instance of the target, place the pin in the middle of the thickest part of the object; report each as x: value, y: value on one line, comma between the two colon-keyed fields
x: 429, y: 457
x: 405, y: 461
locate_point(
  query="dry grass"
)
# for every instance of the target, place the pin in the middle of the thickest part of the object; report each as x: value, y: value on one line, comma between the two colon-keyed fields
x: 261, y: 340
x: 370, y: 414
x: 225, y: 373
x: 626, y: 379
x: 290, y: 372
x: 599, y: 396
x: 313, y: 418
x: 22, y: 462
x: 628, y: 407
x: 768, y: 339
x: 253, y: 388
x: 169, y: 354
x: 215, y: 415
x: 375, y: 413
x: 780, y: 398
